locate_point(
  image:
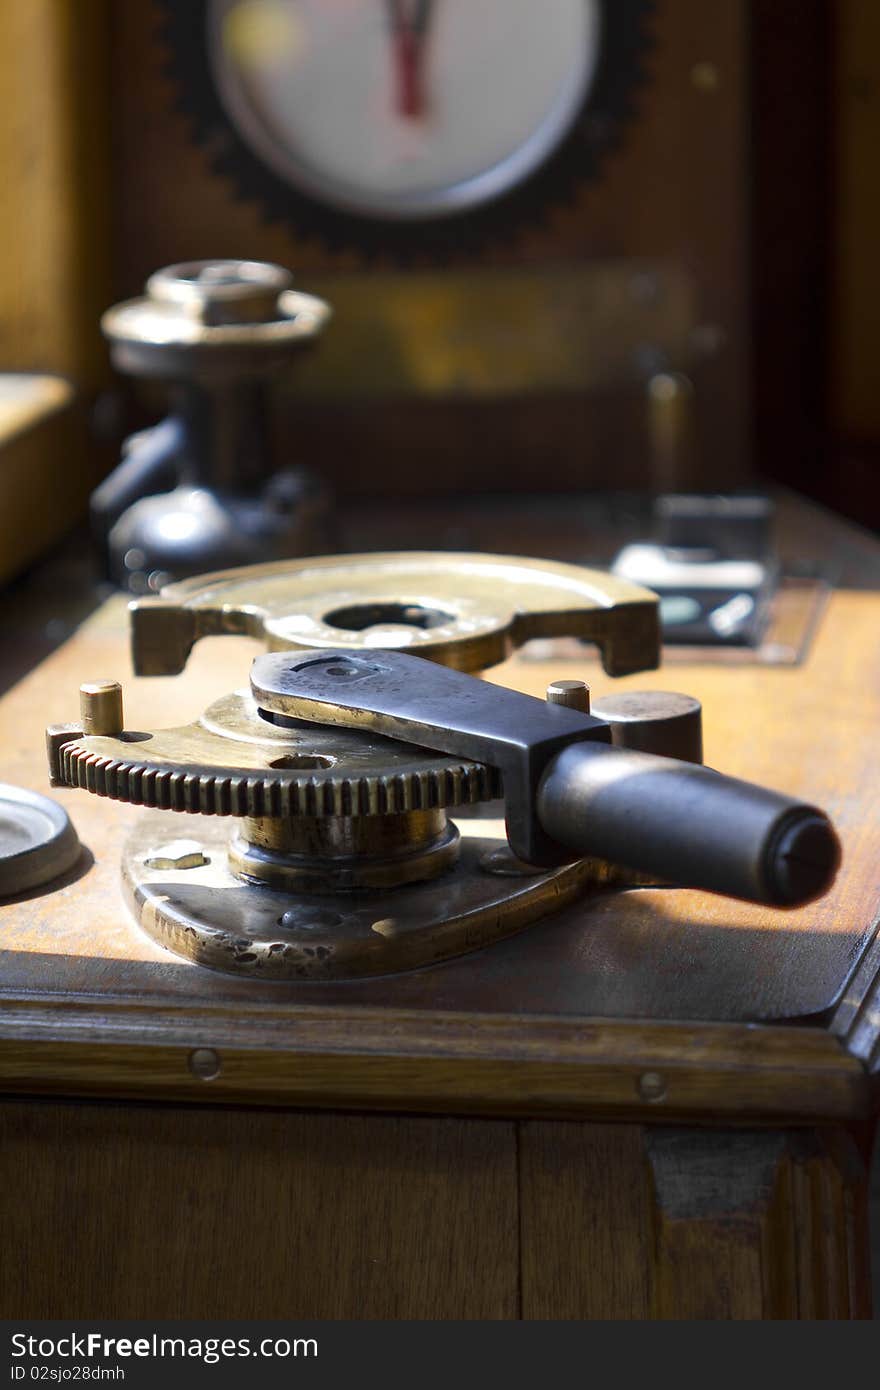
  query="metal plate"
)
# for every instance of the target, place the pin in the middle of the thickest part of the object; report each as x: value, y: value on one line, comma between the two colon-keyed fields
x: 208, y: 915
x: 37, y: 840
x: 466, y: 610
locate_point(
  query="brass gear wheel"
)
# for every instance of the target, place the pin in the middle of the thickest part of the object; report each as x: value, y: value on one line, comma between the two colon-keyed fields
x: 234, y: 762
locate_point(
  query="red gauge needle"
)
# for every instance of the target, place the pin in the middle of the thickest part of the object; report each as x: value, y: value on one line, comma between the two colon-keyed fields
x: 409, y: 37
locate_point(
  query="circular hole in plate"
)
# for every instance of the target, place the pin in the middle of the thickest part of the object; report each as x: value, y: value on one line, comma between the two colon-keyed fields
x: 302, y: 762
x: 359, y: 616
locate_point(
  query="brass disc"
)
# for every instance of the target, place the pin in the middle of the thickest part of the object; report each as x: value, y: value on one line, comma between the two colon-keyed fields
x: 464, y: 610
x: 201, y: 911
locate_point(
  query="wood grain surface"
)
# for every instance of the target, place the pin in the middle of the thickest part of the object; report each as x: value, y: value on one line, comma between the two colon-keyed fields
x: 152, y: 1212
x: 54, y: 262
x: 54, y: 203
x: 39, y: 423
x: 619, y: 1221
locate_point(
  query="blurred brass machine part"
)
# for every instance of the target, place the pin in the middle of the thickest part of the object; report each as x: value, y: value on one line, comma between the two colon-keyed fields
x: 657, y: 1102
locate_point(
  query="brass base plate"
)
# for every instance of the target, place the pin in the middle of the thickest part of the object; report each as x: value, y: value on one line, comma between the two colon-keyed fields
x: 205, y: 913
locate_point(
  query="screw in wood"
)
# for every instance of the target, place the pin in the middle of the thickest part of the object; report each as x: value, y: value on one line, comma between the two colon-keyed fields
x: 204, y: 1063
x: 652, y: 1087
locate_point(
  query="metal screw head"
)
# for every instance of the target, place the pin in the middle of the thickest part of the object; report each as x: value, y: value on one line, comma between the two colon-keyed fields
x: 204, y: 1063
x: 177, y: 854
x: 652, y: 1087
x: 572, y: 694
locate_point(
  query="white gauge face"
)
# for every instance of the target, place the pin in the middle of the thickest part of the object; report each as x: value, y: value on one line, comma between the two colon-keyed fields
x: 408, y: 109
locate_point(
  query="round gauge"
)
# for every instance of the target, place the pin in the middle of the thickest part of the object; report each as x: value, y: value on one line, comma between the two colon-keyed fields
x: 405, y: 112
x: 413, y: 113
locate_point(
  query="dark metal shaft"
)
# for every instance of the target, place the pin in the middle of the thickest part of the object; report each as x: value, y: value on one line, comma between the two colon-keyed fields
x: 687, y: 824
x: 567, y: 790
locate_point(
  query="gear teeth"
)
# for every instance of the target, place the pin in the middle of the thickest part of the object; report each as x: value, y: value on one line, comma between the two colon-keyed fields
x: 276, y: 794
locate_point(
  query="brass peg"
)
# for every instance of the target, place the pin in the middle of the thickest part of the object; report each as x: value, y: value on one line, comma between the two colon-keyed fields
x: 572, y: 694
x: 100, y: 707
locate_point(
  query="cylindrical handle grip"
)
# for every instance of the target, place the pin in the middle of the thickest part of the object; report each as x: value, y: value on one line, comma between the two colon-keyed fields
x: 687, y: 824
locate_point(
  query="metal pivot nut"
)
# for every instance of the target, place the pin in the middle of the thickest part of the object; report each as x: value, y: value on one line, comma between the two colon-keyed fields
x: 205, y: 1063
x: 655, y: 721
x: 100, y: 707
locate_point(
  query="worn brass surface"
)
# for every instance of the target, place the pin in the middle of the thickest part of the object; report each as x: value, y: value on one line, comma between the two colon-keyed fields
x: 494, y: 331
x: 467, y: 610
x: 200, y: 318
x: 208, y: 915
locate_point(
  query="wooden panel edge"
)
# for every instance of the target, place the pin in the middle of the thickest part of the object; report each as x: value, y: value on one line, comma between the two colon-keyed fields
x: 366, y: 1059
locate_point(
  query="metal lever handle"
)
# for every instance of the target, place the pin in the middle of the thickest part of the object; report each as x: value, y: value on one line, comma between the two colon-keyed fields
x: 687, y: 824
x: 566, y: 789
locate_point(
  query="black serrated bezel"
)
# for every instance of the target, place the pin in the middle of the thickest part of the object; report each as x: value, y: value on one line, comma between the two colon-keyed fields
x: 597, y: 130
